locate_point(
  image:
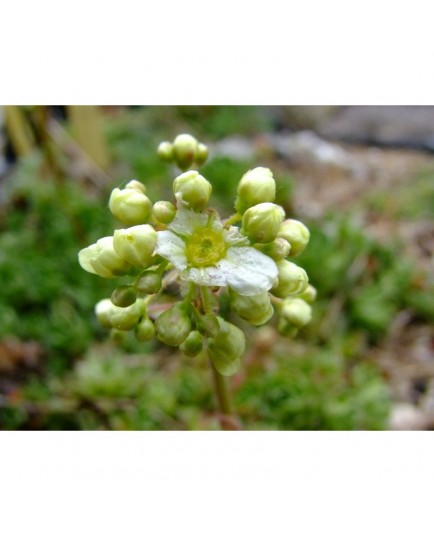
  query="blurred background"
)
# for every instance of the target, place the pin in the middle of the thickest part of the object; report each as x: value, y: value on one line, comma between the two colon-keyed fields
x: 361, y: 178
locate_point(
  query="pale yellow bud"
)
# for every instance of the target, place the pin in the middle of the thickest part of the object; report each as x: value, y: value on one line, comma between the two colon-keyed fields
x: 255, y: 309
x: 122, y: 318
x: 256, y: 186
x: 296, y: 311
x: 102, y: 311
x: 164, y: 211
x: 201, y: 154
x: 278, y: 249
x: 101, y: 259
x: 136, y: 185
x: 261, y: 223
x: 126, y: 318
x: 309, y: 295
x: 165, y: 151
x: 130, y: 206
x: 296, y: 233
x: 291, y: 279
x: 192, y: 190
x: 184, y: 150
x: 136, y: 244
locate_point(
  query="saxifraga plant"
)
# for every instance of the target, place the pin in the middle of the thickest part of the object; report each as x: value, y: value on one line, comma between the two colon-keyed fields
x: 184, y: 245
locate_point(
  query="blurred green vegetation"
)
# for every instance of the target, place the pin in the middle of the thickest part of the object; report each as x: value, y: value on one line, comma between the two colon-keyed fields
x: 413, y: 201
x: 46, y: 297
x: 84, y: 380
x: 371, y: 281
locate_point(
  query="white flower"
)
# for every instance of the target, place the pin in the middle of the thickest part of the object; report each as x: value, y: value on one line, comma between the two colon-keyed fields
x: 210, y: 254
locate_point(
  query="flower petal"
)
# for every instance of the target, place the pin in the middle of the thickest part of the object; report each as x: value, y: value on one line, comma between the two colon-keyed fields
x: 186, y: 221
x: 210, y: 276
x: 172, y: 248
x: 233, y: 237
x: 248, y: 271
x: 86, y: 256
x: 216, y: 224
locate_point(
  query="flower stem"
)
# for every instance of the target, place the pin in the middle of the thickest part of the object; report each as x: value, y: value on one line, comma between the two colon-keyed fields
x: 228, y: 421
x: 206, y: 300
x: 190, y: 293
x: 233, y: 219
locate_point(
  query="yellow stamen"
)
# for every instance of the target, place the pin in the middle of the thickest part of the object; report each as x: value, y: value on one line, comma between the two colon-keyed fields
x: 205, y: 247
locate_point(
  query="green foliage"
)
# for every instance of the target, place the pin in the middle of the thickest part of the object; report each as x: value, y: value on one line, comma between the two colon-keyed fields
x: 219, y: 121
x: 12, y: 418
x: 224, y: 174
x: 420, y: 299
x: 46, y: 297
x: 413, y: 200
x: 315, y: 391
x: 107, y: 389
x: 373, y: 281
x: 133, y: 147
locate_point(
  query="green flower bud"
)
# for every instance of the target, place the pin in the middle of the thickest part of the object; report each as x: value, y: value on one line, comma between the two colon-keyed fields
x: 165, y: 151
x: 184, y: 150
x: 296, y: 233
x: 148, y: 283
x: 101, y: 259
x: 201, y: 154
x: 261, y: 223
x: 265, y: 317
x: 207, y: 325
x: 130, y: 206
x: 145, y: 330
x: 108, y: 258
x: 123, y: 296
x: 255, y: 309
x: 117, y: 336
x: 286, y: 329
x: 193, y: 344
x: 256, y: 186
x: 173, y: 326
x: 226, y: 348
x: 102, y: 312
x: 278, y: 249
x: 192, y: 190
x: 296, y: 311
x: 123, y: 318
x: 164, y: 211
x: 291, y: 279
x: 136, y: 185
x: 309, y: 294
x: 136, y: 244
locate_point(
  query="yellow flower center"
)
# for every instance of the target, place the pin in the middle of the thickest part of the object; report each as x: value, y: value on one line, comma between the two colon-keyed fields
x: 205, y: 247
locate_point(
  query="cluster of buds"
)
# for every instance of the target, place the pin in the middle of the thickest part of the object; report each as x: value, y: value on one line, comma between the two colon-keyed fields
x: 185, y: 151
x: 183, y: 244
